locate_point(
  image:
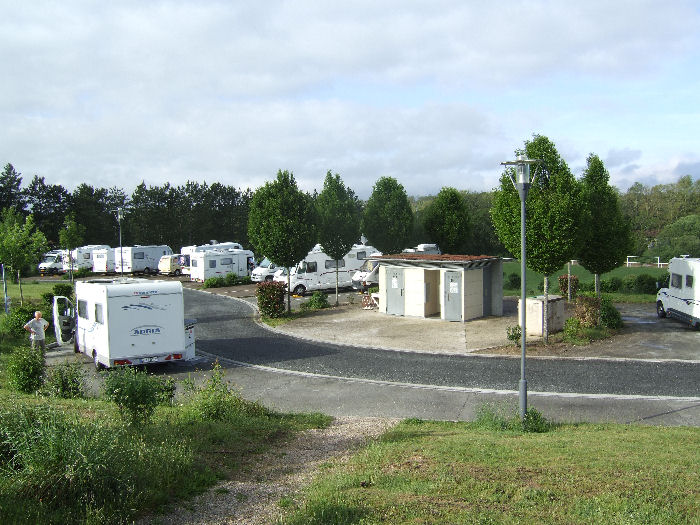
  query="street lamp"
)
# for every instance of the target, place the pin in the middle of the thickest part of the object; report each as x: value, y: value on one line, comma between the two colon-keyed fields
x: 120, y: 216
x: 522, y: 182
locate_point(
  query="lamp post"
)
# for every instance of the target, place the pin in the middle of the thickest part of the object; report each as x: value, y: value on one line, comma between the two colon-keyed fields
x: 120, y: 216
x: 522, y: 182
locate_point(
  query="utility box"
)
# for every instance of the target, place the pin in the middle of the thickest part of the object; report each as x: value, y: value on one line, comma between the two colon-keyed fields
x: 534, y: 315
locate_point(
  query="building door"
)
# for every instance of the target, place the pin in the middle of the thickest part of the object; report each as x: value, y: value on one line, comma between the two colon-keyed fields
x: 395, y: 301
x: 453, y: 296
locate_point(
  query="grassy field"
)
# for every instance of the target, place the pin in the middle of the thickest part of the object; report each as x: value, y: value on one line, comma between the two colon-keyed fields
x: 441, y: 472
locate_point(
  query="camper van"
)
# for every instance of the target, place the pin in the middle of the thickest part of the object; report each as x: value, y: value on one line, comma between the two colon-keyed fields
x: 368, y: 274
x: 204, y: 265
x: 426, y: 249
x: 103, y: 260
x: 139, y: 259
x: 170, y: 265
x: 265, y: 271
x: 681, y: 299
x: 317, y: 270
x: 126, y: 321
x: 52, y: 262
x: 187, y: 251
x: 81, y: 257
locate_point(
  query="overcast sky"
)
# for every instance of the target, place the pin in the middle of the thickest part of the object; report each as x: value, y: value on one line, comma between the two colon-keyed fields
x: 433, y: 93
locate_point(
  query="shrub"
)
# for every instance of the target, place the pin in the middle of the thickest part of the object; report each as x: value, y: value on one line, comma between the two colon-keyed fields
x: 13, y: 323
x: 318, y: 301
x: 609, y: 315
x: 513, y: 281
x: 230, y: 279
x: 136, y: 393
x: 534, y: 421
x: 66, y: 380
x: 245, y: 280
x: 586, y: 286
x: 82, y: 272
x: 25, y: 369
x: 214, y: 282
x: 587, y: 310
x: 614, y: 284
x: 564, y: 285
x: 373, y: 289
x: 572, y: 330
x: 514, y: 333
x: 270, y: 295
x: 217, y: 400
x: 642, y: 283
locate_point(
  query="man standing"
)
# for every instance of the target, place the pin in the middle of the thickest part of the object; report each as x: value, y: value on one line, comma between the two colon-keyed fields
x: 37, y: 327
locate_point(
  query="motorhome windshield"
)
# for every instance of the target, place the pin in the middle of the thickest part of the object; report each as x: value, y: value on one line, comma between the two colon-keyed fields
x: 368, y: 265
x: 51, y: 259
x: 265, y: 263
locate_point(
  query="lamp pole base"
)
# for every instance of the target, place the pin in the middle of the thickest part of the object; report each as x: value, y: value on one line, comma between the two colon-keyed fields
x: 523, y: 398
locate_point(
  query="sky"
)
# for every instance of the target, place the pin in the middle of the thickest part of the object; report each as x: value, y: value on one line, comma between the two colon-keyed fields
x: 432, y: 93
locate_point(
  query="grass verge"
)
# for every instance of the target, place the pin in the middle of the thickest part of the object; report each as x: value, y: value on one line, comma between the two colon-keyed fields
x: 444, y: 472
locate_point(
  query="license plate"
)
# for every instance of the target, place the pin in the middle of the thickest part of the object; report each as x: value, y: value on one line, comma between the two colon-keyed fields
x: 149, y: 359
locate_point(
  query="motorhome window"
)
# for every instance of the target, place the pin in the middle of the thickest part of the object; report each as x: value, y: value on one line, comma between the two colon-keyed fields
x: 311, y: 267
x: 98, y: 314
x: 676, y: 280
x: 331, y: 264
x: 86, y: 256
x: 194, y: 263
x: 212, y: 263
x: 227, y: 260
x: 689, y: 281
x: 361, y: 256
x: 82, y: 309
x: 139, y: 255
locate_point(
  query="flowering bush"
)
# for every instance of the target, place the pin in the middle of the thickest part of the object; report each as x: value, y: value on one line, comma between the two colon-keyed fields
x: 270, y: 295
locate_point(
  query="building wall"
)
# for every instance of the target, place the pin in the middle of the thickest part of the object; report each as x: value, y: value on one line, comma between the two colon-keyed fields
x: 432, y: 292
x: 382, y: 289
x: 473, y: 294
x: 493, y: 289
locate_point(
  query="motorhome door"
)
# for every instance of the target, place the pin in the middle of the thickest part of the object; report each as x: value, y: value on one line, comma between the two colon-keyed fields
x: 63, y: 319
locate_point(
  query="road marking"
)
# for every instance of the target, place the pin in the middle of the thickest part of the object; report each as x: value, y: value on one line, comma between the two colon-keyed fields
x: 465, y: 390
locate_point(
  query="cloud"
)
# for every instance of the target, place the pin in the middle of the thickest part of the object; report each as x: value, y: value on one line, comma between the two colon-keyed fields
x: 688, y: 168
x: 621, y: 157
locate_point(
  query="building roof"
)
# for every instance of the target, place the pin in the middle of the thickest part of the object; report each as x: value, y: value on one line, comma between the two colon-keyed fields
x: 444, y: 260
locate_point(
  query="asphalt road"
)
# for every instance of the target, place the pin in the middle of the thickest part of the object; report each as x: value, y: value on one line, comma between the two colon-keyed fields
x: 295, y: 374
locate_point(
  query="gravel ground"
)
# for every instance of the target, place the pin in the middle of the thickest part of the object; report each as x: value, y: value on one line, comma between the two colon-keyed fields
x: 253, y: 497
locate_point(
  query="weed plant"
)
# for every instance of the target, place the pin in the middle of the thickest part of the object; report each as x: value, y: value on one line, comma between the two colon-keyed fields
x: 13, y: 323
x: 65, y: 380
x: 25, y: 369
x: 137, y: 393
x: 318, y: 301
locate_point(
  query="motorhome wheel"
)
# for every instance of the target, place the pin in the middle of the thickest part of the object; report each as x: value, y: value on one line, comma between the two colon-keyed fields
x: 299, y: 290
x: 268, y: 278
x: 146, y: 270
x: 660, y: 311
x: 177, y: 273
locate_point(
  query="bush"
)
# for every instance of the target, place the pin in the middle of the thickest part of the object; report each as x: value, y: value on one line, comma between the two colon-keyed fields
x: 136, y: 393
x: 572, y: 330
x: 230, y: 279
x: 270, y: 295
x: 373, y: 289
x: 642, y: 283
x: 66, y: 380
x: 25, y: 369
x: 214, y: 282
x: 513, y: 281
x: 564, y: 285
x: 245, y: 280
x: 609, y: 315
x: 586, y: 287
x: 13, y: 323
x: 318, y: 301
x: 514, y: 333
x: 217, y: 401
x: 587, y: 310
x: 614, y: 284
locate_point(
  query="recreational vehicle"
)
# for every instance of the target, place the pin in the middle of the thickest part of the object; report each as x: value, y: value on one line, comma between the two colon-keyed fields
x: 103, y: 260
x: 81, y: 257
x: 204, y: 265
x: 52, y: 262
x: 139, y: 259
x: 265, y: 271
x: 682, y: 297
x: 318, y: 270
x: 187, y: 251
x: 126, y: 321
x: 170, y: 265
x: 368, y: 274
x: 424, y: 248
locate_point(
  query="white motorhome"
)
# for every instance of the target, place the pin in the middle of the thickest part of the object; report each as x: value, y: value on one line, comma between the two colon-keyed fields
x: 126, y: 321
x: 139, y: 259
x: 682, y: 297
x: 187, y: 251
x: 424, y: 248
x: 103, y: 260
x: 170, y: 265
x: 265, y: 271
x: 52, y: 262
x: 204, y: 265
x: 81, y: 257
x: 368, y: 274
x: 317, y: 270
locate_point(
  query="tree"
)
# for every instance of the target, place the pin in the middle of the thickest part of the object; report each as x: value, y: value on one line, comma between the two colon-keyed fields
x: 678, y: 238
x: 388, y: 220
x: 21, y: 244
x: 339, y: 216
x: 447, y: 221
x: 282, y: 223
x: 605, y: 234
x: 70, y: 237
x: 553, y: 214
x: 11, y: 195
x: 48, y: 203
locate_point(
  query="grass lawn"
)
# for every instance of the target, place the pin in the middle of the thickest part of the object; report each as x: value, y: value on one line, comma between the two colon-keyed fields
x: 443, y: 472
x: 32, y: 288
